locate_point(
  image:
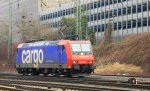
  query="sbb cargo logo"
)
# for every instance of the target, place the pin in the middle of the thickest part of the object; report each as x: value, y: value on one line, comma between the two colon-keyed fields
x: 32, y: 57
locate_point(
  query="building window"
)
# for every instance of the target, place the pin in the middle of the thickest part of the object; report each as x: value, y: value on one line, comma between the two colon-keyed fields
x: 103, y: 27
x: 124, y: 25
x: 49, y: 16
x: 129, y: 24
x: 91, y: 18
x: 149, y: 21
x: 88, y: 6
x: 88, y: 19
x: 99, y: 4
x: 110, y: 1
x: 133, y: 23
x: 95, y: 5
x: 139, y: 22
x: 119, y: 12
x: 61, y: 13
x: 102, y: 15
x: 84, y: 7
x: 124, y: 11
x: 144, y: 21
x: 56, y: 15
x: 99, y: 28
x: 145, y: 7
x: 106, y: 14
x: 134, y: 9
x: 64, y: 12
x: 115, y: 13
x: 119, y: 25
x: 115, y: 1
x: 95, y: 28
x: 95, y: 16
x: 46, y: 16
x: 102, y: 1
x: 53, y: 16
x: 115, y: 26
x: 148, y: 5
x: 91, y: 6
x: 67, y: 11
x: 129, y: 10
x: 110, y: 14
x: 119, y: 1
x: 99, y: 16
x: 72, y: 10
x: 139, y: 8
x: 106, y: 2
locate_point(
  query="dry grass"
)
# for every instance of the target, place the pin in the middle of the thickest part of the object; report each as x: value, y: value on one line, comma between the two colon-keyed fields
x: 119, y: 69
x: 133, y: 50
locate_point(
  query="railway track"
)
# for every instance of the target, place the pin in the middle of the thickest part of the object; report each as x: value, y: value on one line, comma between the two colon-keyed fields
x: 40, y: 85
x: 47, y: 83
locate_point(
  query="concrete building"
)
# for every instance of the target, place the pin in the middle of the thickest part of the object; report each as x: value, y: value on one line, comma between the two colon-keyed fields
x: 20, y: 11
x: 127, y: 16
x: 23, y: 13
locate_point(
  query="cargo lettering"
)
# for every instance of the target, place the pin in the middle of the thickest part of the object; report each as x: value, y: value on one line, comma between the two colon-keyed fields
x: 32, y: 56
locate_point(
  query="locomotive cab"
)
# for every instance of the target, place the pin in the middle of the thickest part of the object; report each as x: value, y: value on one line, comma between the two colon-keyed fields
x: 82, y: 57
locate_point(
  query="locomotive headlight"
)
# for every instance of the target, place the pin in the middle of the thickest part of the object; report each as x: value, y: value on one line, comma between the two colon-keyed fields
x: 82, y: 53
x: 74, y: 62
x: 90, y: 62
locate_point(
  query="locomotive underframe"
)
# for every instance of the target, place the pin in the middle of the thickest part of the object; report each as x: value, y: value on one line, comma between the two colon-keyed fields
x: 76, y: 69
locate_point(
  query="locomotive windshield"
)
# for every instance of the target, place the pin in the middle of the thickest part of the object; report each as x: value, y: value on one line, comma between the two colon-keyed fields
x: 81, y: 48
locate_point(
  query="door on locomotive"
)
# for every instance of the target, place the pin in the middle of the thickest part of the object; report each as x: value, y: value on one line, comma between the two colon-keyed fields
x: 62, y: 59
x: 62, y: 54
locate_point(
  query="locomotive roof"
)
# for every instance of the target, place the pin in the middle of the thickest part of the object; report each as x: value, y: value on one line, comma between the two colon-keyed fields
x: 39, y: 43
x: 49, y: 43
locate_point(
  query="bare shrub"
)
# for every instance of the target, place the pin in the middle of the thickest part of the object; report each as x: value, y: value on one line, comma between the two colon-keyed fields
x: 133, y: 50
x: 45, y: 33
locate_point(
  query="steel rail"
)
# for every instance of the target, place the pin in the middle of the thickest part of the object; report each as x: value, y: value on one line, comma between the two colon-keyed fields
x: 38, y: 85
x: 87, y: 81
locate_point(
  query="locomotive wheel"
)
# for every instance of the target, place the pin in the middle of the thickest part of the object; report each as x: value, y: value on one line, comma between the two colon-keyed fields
x: 33, y: 74
x: 25, y: 73
x: 68, y: 75
x: 57, y: 75
x: 37, y: 74
x: 45, y: 74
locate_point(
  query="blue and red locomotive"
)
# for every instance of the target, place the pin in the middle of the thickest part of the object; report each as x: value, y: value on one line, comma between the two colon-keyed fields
x: 63, y: 57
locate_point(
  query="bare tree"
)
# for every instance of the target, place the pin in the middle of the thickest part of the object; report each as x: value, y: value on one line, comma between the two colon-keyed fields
x: 32, y: 29
x: 3, y: 40
x: 107, y: 39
